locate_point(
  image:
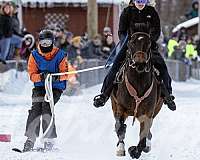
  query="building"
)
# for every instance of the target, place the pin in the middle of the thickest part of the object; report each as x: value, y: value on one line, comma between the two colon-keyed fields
x: 70, y: 14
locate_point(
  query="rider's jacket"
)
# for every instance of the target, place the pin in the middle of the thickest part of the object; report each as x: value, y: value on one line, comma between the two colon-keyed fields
x: 134, y: 20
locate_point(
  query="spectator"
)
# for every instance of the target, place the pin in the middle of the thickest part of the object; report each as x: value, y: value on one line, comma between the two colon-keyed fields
x: 74, y: 52
x: 5, y: 31
x: 59, y: 36
x: 107, y: 47
x: 73, y: 83
x: 179, y: 53
x: 17, y: 37
x: 84, y: 40
x: 194, y: 11
x: 171, y: 44
x: 93, y: 48
x: 182, y: 34
x: 191, y: 52
x: 69, y: 37
x: 28, y: 45
x: 106, y: 31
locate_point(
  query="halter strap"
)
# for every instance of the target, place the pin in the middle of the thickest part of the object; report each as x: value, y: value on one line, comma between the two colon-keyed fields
x: 132, y: 91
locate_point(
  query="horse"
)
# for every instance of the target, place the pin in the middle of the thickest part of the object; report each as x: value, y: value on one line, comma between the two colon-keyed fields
x: 138, y: 94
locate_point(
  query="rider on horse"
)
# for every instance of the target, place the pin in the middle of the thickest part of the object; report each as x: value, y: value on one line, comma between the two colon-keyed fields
x: 137, y: 14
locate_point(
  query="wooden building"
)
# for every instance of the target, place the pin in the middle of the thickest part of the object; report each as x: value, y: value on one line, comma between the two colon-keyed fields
x: 70, y: 14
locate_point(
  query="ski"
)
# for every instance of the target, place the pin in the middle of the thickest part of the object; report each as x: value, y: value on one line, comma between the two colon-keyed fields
x: 39, y: 149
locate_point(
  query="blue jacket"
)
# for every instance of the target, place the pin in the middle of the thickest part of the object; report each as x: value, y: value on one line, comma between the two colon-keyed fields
x: 49, y: 66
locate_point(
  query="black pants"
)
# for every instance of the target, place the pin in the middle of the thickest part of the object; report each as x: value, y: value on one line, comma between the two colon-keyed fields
x: 157, y: 61
x: 39, y: 109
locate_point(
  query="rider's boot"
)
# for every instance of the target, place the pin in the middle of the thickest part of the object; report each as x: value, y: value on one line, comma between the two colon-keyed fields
x: 101, y: 99
x: 168, y: 98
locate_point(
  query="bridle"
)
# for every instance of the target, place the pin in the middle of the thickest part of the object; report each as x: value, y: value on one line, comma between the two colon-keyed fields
x: 132, y: 63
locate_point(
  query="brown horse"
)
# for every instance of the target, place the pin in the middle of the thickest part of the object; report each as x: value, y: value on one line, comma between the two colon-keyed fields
x: 138, y: 94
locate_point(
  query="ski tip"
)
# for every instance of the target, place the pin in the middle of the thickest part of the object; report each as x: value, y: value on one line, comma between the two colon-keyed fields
x: 17, y: 150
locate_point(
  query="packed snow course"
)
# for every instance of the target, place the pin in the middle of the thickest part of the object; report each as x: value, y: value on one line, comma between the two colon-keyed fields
x: 87, y: 133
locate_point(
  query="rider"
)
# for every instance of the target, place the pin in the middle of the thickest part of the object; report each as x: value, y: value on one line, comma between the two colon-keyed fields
x: 42, y: 61
x: 138, y: 13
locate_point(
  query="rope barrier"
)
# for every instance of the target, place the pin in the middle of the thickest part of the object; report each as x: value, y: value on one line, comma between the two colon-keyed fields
x: 49, y: 92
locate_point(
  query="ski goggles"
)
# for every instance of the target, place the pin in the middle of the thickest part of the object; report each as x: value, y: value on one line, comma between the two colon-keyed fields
x: 46, y: 42
x: 141, y: 1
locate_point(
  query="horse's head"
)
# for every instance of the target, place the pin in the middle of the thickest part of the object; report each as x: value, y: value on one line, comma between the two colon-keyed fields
x: 139, y: 51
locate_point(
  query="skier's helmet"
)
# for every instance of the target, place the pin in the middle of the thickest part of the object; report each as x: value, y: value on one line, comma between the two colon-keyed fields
x: 46, y: 40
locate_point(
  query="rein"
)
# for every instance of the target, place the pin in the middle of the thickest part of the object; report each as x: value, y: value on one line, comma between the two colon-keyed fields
x: 132, y: 91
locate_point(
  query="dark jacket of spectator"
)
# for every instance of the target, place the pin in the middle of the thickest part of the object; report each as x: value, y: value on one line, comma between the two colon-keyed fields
x: 91, y: 50
x: 107, y: 48
x: 5, y: 26
x: 72, y: 53
x: 194, y: 11
x: 16, y: 25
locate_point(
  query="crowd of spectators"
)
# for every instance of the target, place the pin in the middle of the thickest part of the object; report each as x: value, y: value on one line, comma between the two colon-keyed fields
x: 80, y: 48
x: 182, y: 45
x: 15, y: 43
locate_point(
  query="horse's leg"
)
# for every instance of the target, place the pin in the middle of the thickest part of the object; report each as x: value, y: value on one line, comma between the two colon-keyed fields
x: 120, y: 129
x: 145, y: 137
x: 148, y: 143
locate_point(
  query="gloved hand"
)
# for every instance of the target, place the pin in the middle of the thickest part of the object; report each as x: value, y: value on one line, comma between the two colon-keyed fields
x: 55, y: 78
x: 43, y: 76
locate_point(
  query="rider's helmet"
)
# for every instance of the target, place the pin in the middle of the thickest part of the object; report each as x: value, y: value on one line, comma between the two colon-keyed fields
x: 140, y: 4
x: 141, y: 1
x: 46, y: 40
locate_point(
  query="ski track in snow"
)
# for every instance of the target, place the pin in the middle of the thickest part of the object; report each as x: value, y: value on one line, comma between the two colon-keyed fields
x: 87, y: 133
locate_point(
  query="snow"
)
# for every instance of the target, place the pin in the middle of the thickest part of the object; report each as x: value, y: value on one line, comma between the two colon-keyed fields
x: 186, y: 24
x: 87, y: 133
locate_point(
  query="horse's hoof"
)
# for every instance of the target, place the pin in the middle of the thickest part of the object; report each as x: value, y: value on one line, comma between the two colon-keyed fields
x: 147, y: 149
x: 120, y: 150
x: 134, y: 153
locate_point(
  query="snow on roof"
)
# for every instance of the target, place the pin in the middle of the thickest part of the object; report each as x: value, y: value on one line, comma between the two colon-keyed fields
x: 71, y: 1
x: 186, y: 24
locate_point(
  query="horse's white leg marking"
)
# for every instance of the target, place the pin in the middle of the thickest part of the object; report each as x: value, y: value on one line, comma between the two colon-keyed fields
x: 120, y: 149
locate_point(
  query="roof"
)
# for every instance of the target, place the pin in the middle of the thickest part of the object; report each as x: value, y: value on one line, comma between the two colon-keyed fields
x: 186, y: 24
x: 71, y: 1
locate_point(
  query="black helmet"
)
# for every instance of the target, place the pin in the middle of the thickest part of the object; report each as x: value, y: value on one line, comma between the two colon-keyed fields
x: 46, y: 40
x: 46, y: 34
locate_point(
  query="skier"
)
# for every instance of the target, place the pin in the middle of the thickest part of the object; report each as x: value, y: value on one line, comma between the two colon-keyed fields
x: 42, y: 61
x: 136, y: 15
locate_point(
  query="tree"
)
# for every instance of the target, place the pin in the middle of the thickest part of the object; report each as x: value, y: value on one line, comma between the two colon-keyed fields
x: 92, y: 18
